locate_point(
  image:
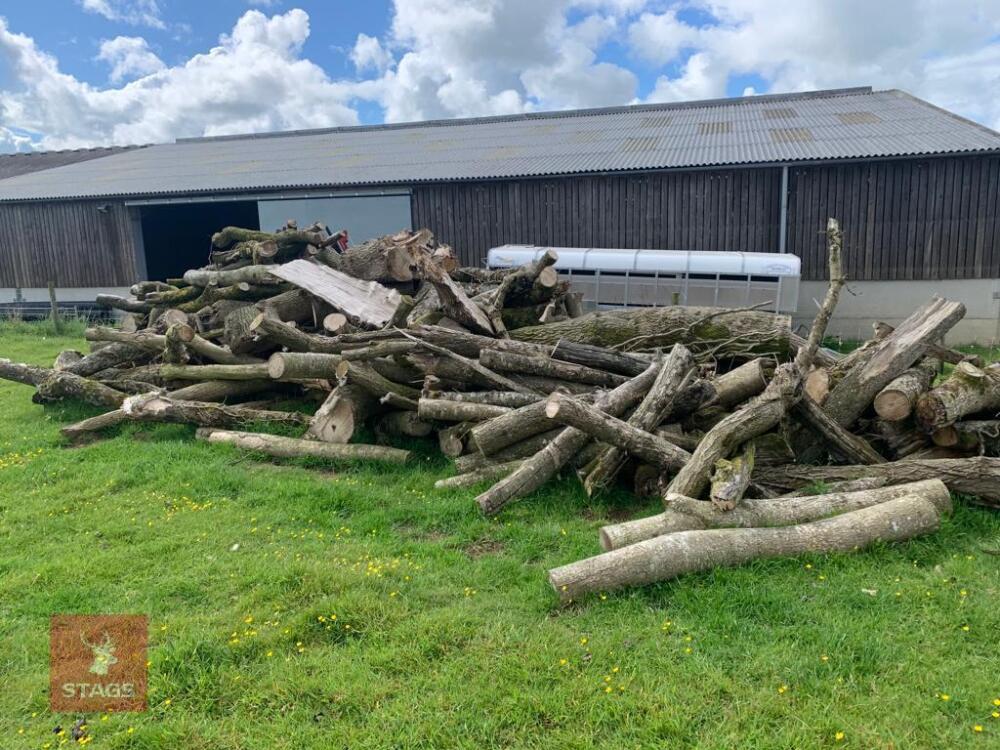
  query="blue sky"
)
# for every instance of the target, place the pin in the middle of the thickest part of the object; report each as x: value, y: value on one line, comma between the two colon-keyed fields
x: 98, y: 72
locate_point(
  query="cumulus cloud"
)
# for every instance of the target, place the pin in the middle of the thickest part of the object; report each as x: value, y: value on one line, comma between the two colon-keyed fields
x: 943, y: 51
x: 129, y: 57
x: 368, y: 54
x: 440, y: 59
x: 133, y: 12
x: 253, y: 80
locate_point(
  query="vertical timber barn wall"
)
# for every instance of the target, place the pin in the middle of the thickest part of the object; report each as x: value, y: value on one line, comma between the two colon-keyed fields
x: 935, y: 218
x: 717, y: 209
x: 909, y: 219
x: 70, y: 243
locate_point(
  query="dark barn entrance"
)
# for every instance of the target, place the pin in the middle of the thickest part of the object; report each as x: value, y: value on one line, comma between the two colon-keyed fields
x: 177, y: 237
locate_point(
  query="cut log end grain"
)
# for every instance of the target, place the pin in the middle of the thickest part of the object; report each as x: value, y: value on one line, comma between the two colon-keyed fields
x: 334, y: 322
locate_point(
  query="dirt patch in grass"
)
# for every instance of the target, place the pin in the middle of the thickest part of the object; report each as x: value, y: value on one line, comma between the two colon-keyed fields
x: 483, y: 547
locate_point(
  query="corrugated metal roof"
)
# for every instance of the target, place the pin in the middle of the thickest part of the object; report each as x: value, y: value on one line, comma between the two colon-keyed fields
x: 12, y: 165
x: 839, y: 124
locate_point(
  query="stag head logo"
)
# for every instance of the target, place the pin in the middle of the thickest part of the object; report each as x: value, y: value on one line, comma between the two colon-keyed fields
x: 104, y: 654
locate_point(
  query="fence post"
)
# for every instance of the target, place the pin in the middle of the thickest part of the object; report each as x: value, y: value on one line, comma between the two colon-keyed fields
x: 56, y: 321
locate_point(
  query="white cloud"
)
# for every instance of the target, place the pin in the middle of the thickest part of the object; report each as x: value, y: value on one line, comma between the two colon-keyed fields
x: 368, y: 54
x: 443, y: 59
x: 253, y: 80
x: 129, y: 57
x: 944, y: 51
x: 484, y: 57
x: 132, y: 12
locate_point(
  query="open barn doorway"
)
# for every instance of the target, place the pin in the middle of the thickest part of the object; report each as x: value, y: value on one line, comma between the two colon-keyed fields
x: 178, y: 236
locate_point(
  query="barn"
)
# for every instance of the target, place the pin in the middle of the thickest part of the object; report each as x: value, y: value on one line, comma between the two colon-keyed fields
x: 915, y: 187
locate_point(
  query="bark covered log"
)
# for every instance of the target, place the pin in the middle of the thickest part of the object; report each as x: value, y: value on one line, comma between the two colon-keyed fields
x: 688, y: 514
x: 159, y: 408
x: 976, y: 476
x: 671, y: 555
x: 702, y: 329
x: 895, y: 402
x: 341, y: 414
x: 538, y: 469
x: 500, y: 361
x: 677, y: 368
x: 968, y: 390
x: 285, y: 447
x: 892, y: 356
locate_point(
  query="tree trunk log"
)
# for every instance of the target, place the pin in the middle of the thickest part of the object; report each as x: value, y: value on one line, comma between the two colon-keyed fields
x: 61, y: 385
x: 94, y: 424
x: 538, y: 469
x: 490, y: 473
x: 214, y: 372
x: 607, y: 429
x: 891, y: 358
x: 738, y: 385
x: 687, y: 514
x: 895, y: 402
x: 442, y: 410
x: 599, y: 357
x: 951, y: 356
x: 19, y: 372
x: 152, y: 407
x: 204, y: 277
x: 285, y: 447
x: 66, y: 358
x: 671, y: 555
x: 847, y: 444
x: 551, y: 368
x: 730, y: 479
x: 527, y: 447
x: 366, y: 376
x: 366, y: 301
x: 303, y: 366
x: 975, y: 476
x: 968, y: 390
x: 510, y: 399
x: 109, y: 356
x: 980, y: 435
x: 702, y: 329
x: 677, y: 368
x: 341, y: 414
x: 403, y: 423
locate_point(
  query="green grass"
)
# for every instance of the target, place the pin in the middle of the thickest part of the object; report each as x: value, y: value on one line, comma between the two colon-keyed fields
x: 447, y: 634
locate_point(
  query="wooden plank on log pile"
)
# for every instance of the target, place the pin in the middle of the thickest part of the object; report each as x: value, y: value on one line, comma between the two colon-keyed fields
x: 368, y: 301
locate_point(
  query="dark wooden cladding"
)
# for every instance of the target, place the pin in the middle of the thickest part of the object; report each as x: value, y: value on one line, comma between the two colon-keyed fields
x: 704, y: 210
x: 907, y: 219
x: 70, y: 243
x: 933, y: 218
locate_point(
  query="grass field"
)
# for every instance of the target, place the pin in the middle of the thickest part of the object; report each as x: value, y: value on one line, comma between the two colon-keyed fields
x: 292, y: 606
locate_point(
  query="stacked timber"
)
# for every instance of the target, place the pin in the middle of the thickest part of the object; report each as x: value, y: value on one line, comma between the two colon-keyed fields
x: 724, y: 413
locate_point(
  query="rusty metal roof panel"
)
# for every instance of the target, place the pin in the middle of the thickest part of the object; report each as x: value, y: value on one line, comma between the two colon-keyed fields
x: 840, y: 124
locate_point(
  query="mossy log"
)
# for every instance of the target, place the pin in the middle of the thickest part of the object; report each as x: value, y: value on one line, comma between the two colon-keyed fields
x: 672, y: 555
x: 730, y: 479
x: 60, y: 385
x: 250, y: 274
x: 154, y: 407
x: 968, y: 390
x: 702, y: 329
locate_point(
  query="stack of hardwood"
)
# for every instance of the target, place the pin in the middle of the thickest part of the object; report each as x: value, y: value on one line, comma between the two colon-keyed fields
x: 724, y: 413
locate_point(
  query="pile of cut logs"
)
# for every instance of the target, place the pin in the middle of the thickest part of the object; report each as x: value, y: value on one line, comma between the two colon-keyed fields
x: 730, y: 417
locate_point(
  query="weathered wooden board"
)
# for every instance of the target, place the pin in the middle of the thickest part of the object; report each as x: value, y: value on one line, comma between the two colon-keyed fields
x: 367, y: 301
